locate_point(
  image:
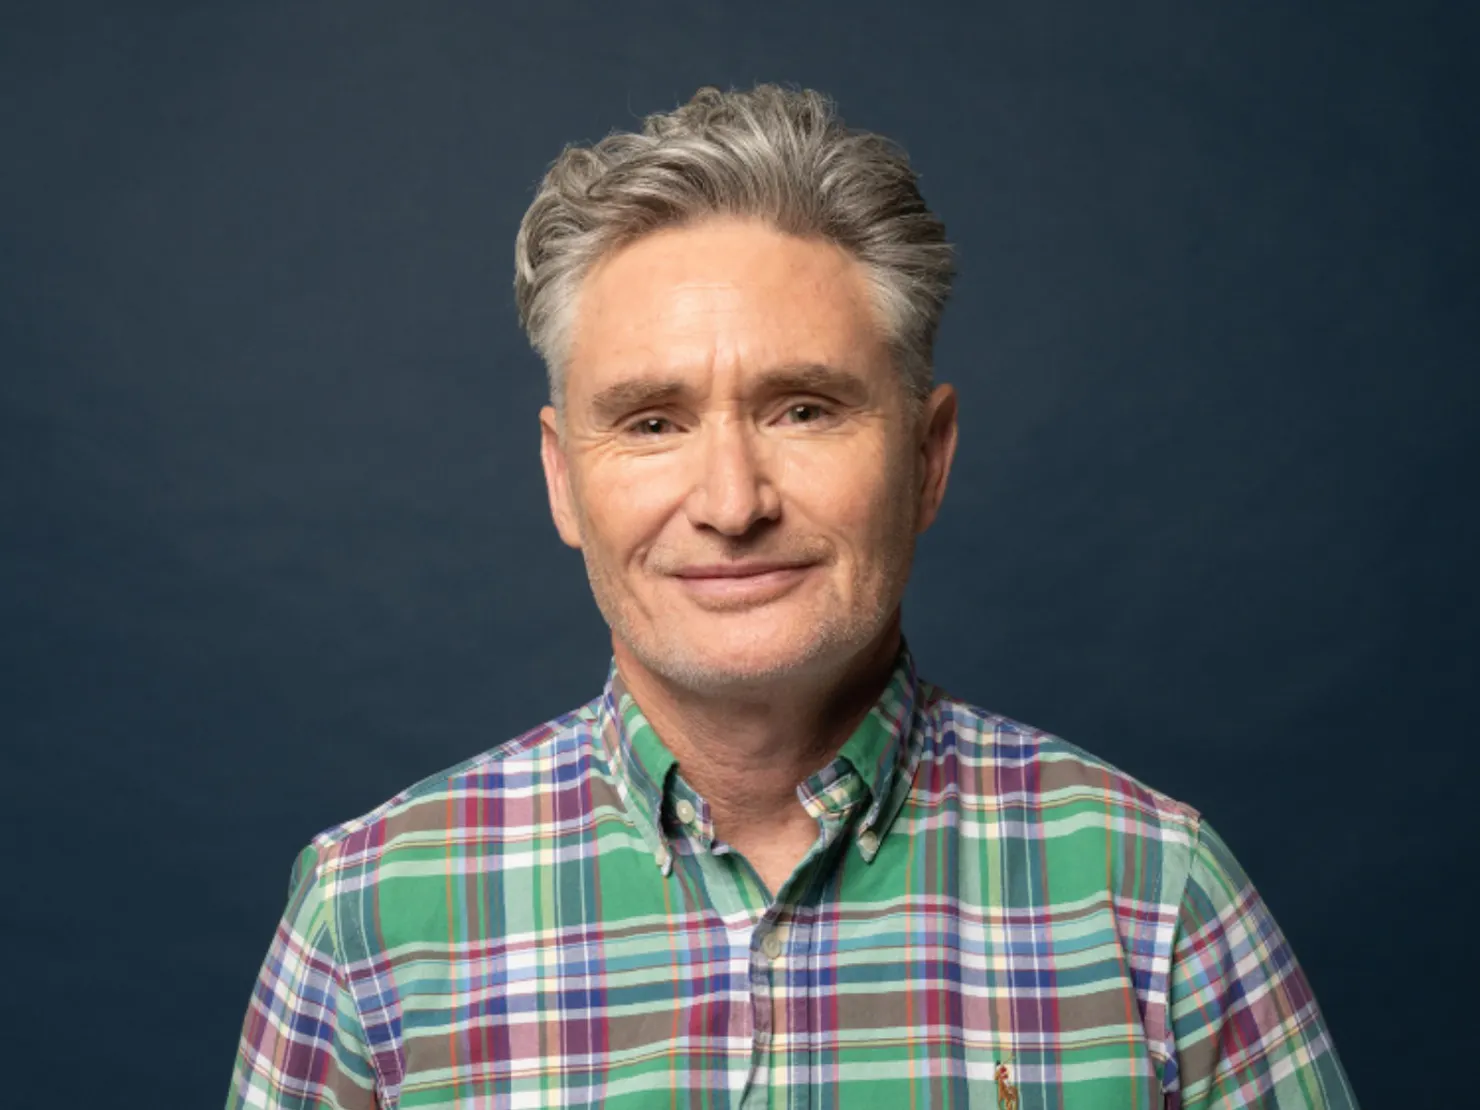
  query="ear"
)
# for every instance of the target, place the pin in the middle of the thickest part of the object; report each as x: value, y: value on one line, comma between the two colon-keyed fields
x: 937, y: 450
x: 557, y: 478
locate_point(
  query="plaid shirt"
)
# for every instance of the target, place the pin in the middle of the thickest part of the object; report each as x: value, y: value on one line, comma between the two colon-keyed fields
x: 989, y: 917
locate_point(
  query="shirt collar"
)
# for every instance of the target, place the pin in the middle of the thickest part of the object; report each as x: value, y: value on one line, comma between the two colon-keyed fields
x: 882, y: 752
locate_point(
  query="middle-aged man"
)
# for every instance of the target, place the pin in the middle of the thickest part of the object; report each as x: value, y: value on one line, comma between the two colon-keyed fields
x: 767, y: 866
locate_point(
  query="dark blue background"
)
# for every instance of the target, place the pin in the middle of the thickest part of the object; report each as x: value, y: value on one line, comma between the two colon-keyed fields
x: 275, y: 542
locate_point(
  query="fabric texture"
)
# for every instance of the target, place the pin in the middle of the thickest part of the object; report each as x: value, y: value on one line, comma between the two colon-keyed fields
x: 990, y: 916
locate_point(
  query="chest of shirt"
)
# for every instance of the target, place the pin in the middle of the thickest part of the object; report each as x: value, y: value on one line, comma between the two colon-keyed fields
x: 580, y: 974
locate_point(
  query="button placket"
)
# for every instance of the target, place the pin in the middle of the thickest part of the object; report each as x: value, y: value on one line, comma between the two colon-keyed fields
x: 760, y: 1001
x: 772, y: 944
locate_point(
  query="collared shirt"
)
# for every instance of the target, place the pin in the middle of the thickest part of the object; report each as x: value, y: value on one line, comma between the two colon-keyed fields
x: 989, y: 916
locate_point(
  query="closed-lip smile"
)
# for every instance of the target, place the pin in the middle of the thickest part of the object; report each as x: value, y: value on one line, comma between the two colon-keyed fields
x: 729, y: 586
x: 736, y: 570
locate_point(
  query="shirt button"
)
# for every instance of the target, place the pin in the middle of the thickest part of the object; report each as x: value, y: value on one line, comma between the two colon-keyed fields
x: 868, y: 840
x: 771, y: 946
x: 685, y: 811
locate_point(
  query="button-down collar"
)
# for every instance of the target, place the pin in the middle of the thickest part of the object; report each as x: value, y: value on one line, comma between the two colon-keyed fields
x: 874, y: 765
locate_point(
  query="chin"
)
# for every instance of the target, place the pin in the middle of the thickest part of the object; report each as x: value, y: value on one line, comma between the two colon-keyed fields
x: 737, y: 661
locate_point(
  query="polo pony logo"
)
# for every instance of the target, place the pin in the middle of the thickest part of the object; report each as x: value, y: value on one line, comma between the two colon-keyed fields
x: 1006, y: 1091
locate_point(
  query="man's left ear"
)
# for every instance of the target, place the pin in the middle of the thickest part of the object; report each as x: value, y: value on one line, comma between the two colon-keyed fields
x: 937, y: 449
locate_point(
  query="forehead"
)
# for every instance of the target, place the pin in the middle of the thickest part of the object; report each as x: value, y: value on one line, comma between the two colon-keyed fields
x: 721, y: 296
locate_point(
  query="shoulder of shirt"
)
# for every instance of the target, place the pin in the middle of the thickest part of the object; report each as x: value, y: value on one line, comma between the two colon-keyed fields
x: 986, y: 736
x: 971, y: 731
x: 353, y: 840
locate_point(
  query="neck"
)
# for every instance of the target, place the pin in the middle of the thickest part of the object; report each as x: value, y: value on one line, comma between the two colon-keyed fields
x: 745, y: 751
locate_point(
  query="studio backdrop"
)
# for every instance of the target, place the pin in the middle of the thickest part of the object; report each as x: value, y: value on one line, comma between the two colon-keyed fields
x: 275, y: 541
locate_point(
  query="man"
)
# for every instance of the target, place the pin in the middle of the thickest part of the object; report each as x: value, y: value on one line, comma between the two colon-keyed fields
x: 768, y: 865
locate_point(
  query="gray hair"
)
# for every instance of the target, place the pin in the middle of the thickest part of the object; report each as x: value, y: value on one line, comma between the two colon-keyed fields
x: 771, y: 153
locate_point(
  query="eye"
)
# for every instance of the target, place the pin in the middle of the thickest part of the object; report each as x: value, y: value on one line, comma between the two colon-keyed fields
x: 650, y: 426
x: 807, y: 412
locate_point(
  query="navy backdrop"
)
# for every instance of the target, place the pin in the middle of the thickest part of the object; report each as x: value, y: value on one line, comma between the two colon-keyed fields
x: 274, y: 536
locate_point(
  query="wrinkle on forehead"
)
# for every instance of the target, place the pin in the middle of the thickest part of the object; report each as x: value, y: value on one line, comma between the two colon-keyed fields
x: 718, y: 299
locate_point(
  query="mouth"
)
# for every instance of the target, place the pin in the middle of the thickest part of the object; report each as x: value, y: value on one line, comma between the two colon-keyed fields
x: 741, y: 585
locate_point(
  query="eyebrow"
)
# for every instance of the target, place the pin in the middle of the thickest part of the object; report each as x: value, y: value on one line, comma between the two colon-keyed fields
x: 813, y: 377
x: 617, y: 400
x: 621, y: 398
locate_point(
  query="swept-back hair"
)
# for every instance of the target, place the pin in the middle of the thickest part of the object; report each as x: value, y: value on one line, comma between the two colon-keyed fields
x: 769, y: 153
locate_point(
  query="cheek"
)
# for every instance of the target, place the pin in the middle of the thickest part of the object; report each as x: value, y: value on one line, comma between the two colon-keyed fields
x: 853, y: 497
x: 626, y: 503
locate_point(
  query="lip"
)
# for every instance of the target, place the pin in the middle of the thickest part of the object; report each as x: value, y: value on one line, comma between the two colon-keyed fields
x: 740, y: 585
x: 736, y: 570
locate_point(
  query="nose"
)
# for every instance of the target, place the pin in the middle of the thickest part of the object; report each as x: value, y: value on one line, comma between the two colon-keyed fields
x: 732, y: 491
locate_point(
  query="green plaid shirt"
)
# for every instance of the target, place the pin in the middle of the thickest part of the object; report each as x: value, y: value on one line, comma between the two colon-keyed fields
x: 989, y: 917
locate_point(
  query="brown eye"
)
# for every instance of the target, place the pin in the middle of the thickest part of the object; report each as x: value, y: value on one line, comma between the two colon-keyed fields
x: 651, y: 426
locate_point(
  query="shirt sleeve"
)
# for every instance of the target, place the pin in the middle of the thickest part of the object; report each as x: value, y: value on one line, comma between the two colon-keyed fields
x: 302, y: 1044
x: 1247, y: 1030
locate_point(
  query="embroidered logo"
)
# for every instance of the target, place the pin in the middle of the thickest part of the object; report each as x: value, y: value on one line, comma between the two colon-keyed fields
x: 1007, y: 1098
